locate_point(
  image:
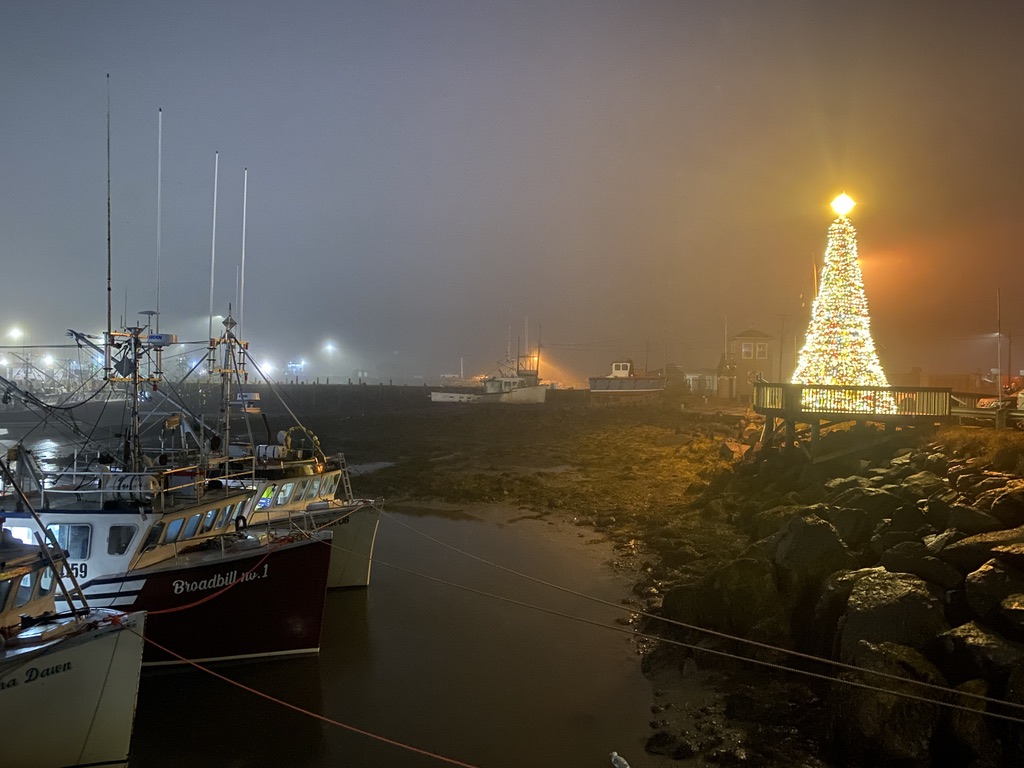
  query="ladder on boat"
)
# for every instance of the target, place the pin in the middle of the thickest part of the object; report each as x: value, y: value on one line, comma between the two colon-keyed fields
x: 345, y: 479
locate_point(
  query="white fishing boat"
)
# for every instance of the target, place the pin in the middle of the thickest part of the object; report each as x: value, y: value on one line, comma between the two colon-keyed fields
x: 68, y: 678
x: 514, y: 380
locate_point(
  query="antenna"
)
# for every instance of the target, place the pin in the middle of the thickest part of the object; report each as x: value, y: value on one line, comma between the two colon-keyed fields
x: 159, y: 187
x: 241, y: 290
x: 106, y: 356
x: 213, y: 244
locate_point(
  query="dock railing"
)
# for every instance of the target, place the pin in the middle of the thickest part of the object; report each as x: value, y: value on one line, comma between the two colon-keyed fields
x: 791, y: 401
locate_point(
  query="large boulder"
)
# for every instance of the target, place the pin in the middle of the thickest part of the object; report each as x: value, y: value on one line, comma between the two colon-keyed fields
x: 913, y: 557
x: 886, y: 607
x: 831, y: 605
x: 879, y: 504
x: 806, y: 551
x: 971, y: 520
x: 972, y: 650
x: 1008, y: 507
x: 854, y: 526
x: 994, y: 593
x: 871, y: 727
x: 969, y: 737
x: 924, y: 485
x: 973, y: 552
x: 735, y: 598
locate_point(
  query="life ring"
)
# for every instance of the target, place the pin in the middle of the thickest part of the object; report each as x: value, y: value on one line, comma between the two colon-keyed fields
x: 240, y: 522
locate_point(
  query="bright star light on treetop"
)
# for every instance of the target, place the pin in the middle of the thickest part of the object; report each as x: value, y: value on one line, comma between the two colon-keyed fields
x: 843, y: 204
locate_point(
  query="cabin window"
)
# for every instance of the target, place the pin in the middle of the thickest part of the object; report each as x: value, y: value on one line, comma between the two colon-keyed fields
x: 153, y: 537
x: 25, y: 588
x: 46, y: 582
x: 5, y: 592
x: 747, y: 350
x: 192, y: 525
x: 331, y: 485
x: 300, y: 489
x: 119, y: 537
x: 225, y: 514
x: 266, y: 498
x: 173, y: 530
x: 73, y: 538
x: 314, y: 488
x: 208, y: 520
x: 284, y: 493
x: 761, y: 350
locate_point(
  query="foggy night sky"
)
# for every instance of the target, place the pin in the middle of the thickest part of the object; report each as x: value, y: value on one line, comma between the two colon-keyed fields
x: 631, y: 178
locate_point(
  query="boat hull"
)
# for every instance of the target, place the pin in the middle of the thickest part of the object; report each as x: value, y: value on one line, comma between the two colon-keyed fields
x: 72, y: 702
x: 267, y: 601
x: 352, y: 548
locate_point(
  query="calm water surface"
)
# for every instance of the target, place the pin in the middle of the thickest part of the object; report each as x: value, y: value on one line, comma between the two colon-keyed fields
x: 468, y: 677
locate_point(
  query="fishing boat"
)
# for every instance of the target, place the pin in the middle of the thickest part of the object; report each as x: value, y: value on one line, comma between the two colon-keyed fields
x: 625, y: 384
x: 514, y: 380
x: 68, y: 678
x: 297, y: 487
x: 158, y: 526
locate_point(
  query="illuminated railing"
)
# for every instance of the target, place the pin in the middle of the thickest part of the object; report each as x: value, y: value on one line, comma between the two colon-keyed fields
x: 795, y: 399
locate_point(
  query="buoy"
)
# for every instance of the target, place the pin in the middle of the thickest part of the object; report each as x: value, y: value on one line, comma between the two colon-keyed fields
x: 619, y: 762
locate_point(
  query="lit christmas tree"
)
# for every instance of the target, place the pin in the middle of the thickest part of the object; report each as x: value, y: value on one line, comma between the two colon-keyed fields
x: 839, y: 349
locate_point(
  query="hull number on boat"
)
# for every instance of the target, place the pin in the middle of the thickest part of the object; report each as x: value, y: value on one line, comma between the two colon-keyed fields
x: 35, y: 673
x: 182, y: 587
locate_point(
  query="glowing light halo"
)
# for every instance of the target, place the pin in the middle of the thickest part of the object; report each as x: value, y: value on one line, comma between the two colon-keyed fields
x: 843, y: 204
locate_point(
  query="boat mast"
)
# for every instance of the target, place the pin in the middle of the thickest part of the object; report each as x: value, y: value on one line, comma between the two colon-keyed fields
x: 213, y: 244
x: 159, y: 188
x: 107, y: 348
x: 241, y: 288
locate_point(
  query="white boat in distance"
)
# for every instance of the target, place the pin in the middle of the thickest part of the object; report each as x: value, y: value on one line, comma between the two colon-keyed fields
x: 514, y: 381
x: 68, y: 680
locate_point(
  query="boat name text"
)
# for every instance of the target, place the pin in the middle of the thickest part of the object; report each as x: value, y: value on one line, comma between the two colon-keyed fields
x: 35, y: 673
x: 182, y: 587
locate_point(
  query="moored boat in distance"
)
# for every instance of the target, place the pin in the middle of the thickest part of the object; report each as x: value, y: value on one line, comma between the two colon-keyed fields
x: 624, y: 383
x: 68, y: 679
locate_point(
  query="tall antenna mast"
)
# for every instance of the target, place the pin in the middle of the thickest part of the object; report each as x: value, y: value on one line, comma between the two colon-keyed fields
x: 241, y: 290
x: 213, y: 244
x: 107, y: 351
x: 159, y: 208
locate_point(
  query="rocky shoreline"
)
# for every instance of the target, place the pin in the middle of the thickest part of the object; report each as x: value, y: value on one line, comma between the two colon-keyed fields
x: 905, y: 566
x: 907, y: 560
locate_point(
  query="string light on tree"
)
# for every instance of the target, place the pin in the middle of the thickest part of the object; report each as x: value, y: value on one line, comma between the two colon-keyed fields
x: 839, y: 349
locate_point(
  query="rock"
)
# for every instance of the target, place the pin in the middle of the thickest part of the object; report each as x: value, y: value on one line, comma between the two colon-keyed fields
x: 806, y: 551
x: 935, y: 543
x: 877, y: 503
x: 853, y: 525
x: 971, y: 520
x: 1008, y: 507
x: 913, y: 557
x: 908, y: 518
x: 924, y: 485
x: 875, y: 728
x: 989, y: 587
x: 969, y: 739
x: 971, y: 553
x: 1011, y: 554
x: 888, y: 607
x: 770, y: 521
x: 831, y: 605
x: 974, y: 651
x: 733, y: 598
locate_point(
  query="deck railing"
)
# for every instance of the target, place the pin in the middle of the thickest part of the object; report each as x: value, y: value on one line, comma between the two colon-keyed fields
x: 792, y: 400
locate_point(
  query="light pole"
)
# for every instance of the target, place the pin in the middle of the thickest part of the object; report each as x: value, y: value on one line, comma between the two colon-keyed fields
x: 330, y: 349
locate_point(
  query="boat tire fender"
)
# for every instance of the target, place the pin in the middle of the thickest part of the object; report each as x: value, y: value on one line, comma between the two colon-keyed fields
x: 240, y: 522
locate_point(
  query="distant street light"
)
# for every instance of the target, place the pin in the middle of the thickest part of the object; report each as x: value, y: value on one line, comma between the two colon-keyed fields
x: 330, y: 349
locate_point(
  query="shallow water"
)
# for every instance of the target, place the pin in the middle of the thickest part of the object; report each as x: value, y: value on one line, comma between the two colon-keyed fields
x: 418, y: 661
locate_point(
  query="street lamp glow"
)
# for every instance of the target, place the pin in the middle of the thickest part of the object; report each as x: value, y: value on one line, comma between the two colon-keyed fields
x: 16, y: 333
x: 843, y: 204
